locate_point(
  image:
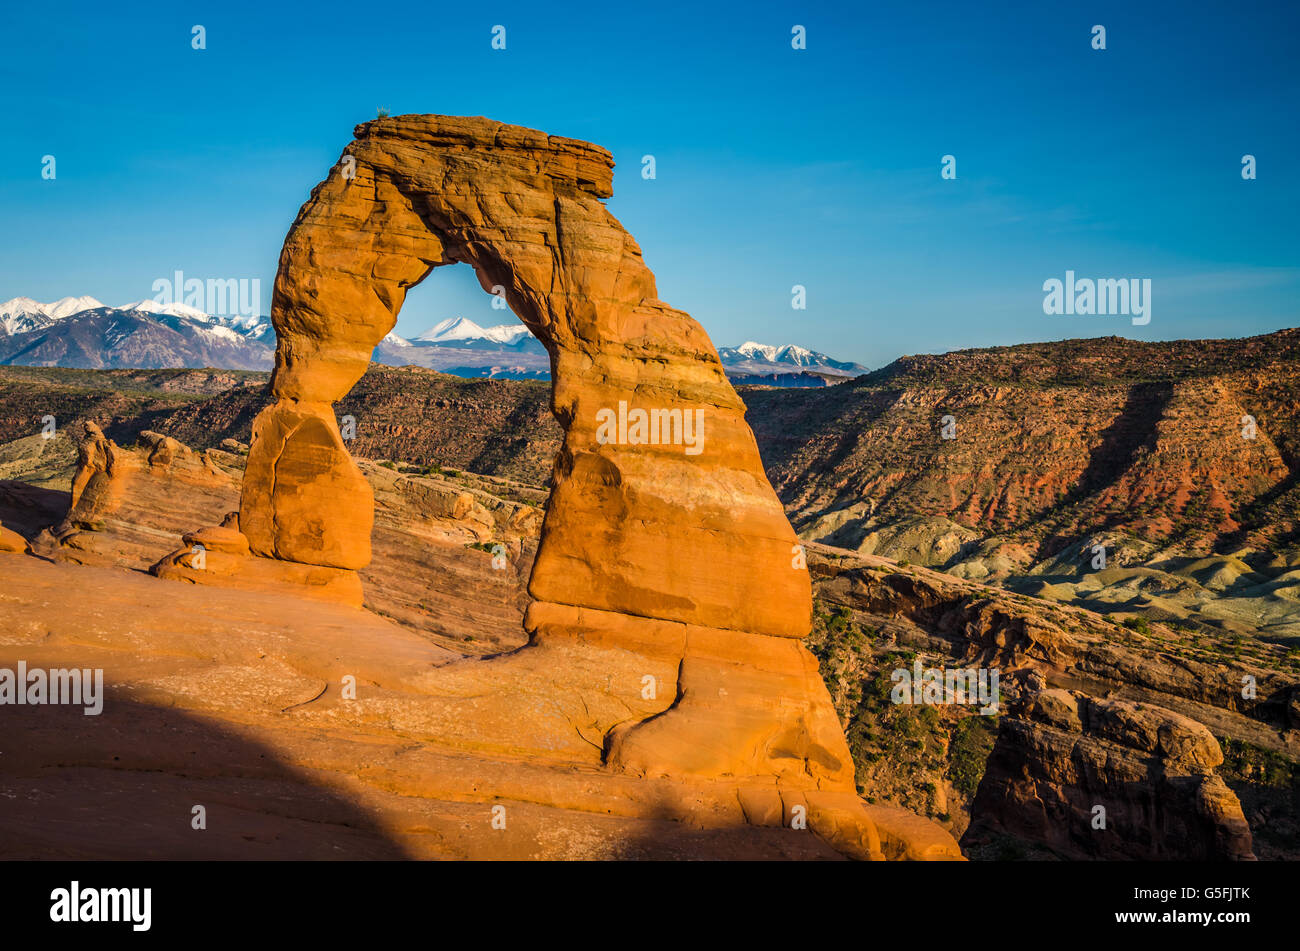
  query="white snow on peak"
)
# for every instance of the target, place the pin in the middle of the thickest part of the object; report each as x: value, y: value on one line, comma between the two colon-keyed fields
x: 251, y: 327
x: 169, y: 310
x: 56, y: 310
x: 396, y: 341
x: 22, y: 305
x: 67, y: 306
x: 507, y: 333
x: 221, y: 333
x: 455, y: 329
x: 787, y: 353
x: 751, y: 349
x: 22, y: 314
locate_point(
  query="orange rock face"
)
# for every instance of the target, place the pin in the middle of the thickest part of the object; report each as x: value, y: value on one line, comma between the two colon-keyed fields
x: 97, y: 486
x: 663, y: 543
x: 304, y: 500
x: 11, y: 541
x: 647, y: 517
x: 1062, y: 754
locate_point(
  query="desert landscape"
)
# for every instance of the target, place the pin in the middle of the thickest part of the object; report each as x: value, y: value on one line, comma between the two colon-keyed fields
x: 360, y: 611
x: 522, y: 465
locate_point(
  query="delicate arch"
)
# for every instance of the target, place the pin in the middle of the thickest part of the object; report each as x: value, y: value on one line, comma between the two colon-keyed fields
x: 633, y: 526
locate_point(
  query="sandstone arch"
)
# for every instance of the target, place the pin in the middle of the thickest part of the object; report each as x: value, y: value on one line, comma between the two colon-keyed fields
x: 524, y: 209
x: 651, y: 559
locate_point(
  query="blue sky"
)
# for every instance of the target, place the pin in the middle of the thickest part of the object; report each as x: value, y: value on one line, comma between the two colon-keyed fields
x: 775, y: 167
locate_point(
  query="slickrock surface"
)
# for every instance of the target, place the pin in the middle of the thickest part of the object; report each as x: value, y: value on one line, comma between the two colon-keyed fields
x: 124, y: 503
x: 436, y: 585
x: 233, y: 700
x: 433, y: 569
x: 11, y: 541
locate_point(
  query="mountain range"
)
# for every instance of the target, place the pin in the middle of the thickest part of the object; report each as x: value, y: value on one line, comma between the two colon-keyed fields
x: 757, y: 359
x: 82, y: 332
x: 461, y: 347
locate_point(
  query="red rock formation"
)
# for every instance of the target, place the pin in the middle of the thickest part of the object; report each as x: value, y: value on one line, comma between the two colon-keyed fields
x: 524, y: 210
x: 674, y: 552
x: 1065, y: 761
x: 94, y: 491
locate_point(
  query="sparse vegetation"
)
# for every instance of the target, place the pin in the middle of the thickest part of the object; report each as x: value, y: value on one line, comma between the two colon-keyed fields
x: 1254, y: 764
x: 1139, y: 624
x: 968, y: 752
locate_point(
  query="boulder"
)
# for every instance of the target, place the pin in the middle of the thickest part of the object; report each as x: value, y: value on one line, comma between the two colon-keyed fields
x: 1107, y: 778
x: 12, y: 541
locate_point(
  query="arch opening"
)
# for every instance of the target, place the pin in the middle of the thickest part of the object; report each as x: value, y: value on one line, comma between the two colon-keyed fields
x: 449, y: 323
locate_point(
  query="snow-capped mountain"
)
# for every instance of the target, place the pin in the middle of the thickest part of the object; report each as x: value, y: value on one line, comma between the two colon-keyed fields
x: 461, y: 347
x: 82, y: 332
x: 68, y: 306
x: 799, y: 356
x: 759, y: 359
x: 23, y: 314
x: 255, y: 328
x: 170, y: 310
x: 463, y: 332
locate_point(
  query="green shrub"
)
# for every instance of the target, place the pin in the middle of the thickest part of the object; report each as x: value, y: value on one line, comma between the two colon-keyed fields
x: 1138, y: 624
x: 968, y: 752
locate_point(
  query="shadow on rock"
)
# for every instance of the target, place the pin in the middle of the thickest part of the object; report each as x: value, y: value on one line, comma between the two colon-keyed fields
x: 125, y: 784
